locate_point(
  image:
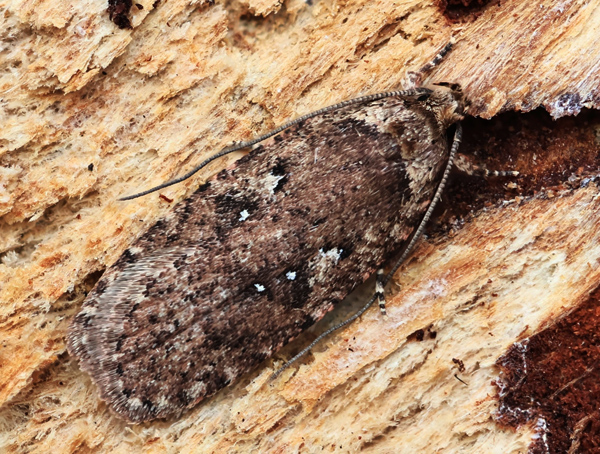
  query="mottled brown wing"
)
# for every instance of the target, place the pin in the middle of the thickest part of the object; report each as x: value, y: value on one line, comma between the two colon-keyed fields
x: 258, y: 254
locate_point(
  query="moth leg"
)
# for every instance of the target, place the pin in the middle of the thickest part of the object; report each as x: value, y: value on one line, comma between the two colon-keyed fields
x: 466, y: 166
x: 379, y: 290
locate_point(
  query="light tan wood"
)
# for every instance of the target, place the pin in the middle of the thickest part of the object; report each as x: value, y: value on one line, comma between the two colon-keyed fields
x: 144, y: 105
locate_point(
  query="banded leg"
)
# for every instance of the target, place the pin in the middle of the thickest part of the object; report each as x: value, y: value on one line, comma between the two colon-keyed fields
x: 379, y: 290
x: 463, y: 164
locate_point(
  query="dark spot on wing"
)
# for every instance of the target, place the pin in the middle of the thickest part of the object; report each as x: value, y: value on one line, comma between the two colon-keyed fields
x: 156, y: 230
x: 119, y: 343
x: 133, y: 309
x: 180, y: 262
x: 319, y: 221
x: 203, y: 187
x: 345, y: 251
x: 279, y: 168
x: 127, y: 257
x: 100, y: 286
x: 279, y: 186
x: 307, y: 323
x: 229, y: 207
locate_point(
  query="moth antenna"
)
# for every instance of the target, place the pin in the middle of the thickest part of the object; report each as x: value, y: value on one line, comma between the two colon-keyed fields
x: 415, y: 78
x: 275, y: 131
x: 415, y: 237
x: 425, y: 69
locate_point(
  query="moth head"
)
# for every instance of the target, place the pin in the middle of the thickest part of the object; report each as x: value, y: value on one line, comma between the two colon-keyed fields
x: 448, y: 103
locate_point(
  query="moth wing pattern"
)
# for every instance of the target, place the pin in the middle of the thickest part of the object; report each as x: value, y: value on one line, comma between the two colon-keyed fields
x: 261, y: 252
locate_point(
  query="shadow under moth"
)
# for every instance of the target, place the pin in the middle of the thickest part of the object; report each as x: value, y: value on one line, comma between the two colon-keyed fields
x: 263, y: 250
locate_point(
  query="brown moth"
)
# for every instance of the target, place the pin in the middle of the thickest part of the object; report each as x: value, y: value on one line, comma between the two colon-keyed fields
x: 262, y: 251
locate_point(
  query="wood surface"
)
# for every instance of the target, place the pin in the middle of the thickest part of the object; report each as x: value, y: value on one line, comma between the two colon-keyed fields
x: 90, y: 112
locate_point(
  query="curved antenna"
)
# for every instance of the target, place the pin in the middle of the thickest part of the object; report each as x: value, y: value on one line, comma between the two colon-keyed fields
x: 275, y: 131
x: 407, y: 251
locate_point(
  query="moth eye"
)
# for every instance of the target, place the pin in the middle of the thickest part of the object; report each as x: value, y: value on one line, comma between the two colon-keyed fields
x: 423, y: 97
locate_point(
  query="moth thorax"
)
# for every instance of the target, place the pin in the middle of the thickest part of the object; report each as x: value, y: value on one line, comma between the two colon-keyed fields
x: 448, y: 104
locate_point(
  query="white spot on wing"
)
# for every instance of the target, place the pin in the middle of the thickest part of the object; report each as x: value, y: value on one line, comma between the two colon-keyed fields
x: 244, y: 215
x: 332, y: 254
x: 291, y: 275
x: 260, y: 288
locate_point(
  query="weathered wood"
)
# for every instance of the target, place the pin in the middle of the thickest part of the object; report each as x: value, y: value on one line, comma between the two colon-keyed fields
x: 90, y: 112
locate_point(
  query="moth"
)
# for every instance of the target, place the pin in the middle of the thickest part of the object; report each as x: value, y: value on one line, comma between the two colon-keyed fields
x: 263, y: 250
